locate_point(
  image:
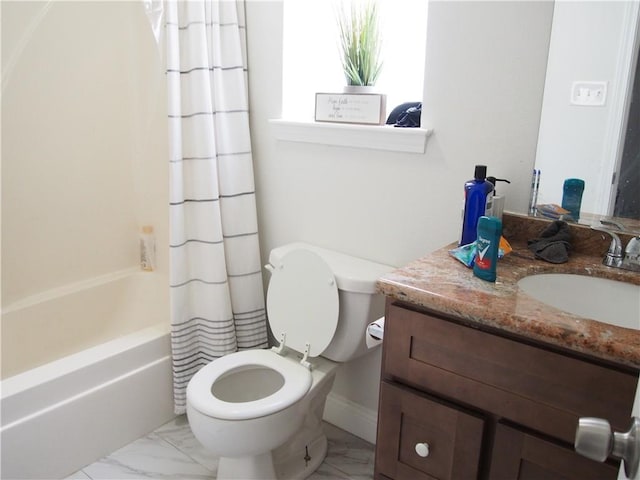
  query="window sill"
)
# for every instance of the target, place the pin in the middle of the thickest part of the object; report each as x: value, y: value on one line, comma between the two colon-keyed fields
x: 376, y: 137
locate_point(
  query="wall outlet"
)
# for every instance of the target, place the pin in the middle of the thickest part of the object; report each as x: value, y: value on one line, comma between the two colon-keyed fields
x: 589, y: 94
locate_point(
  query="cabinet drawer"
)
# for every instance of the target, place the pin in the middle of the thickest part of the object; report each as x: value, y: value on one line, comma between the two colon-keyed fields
x: 537, y: 388
x: 519, y: 455
x: 405, y: 419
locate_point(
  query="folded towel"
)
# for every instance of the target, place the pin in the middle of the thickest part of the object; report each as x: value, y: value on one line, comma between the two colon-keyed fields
x: 554, y: 243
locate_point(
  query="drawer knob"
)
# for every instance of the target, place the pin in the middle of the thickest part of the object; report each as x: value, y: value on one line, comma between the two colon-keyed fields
x: 422, y: 449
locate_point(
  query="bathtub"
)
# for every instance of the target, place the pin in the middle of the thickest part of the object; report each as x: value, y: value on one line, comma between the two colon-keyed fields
x: 86, y: 370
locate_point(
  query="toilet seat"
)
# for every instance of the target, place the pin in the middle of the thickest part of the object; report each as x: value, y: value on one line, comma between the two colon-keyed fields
x: 297, y: 381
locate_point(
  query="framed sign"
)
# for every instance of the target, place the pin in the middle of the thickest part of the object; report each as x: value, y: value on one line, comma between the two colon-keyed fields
x: 363, y: 108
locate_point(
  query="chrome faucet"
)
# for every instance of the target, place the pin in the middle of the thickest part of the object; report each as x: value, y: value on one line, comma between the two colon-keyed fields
x: 632, y: 255
x: 614, y: 257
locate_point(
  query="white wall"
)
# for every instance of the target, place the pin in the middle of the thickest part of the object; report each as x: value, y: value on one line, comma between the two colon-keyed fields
x: 586, y: 42
x: 84, y: 145
x: 485, y: 67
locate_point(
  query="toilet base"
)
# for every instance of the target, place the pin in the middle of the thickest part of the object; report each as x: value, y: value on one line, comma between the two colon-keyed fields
x: 303, y: 453
x: 299, y: 465
x: 258, y: 467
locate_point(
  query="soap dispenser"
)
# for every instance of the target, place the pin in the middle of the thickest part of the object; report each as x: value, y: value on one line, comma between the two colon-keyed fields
x: 498, y: 200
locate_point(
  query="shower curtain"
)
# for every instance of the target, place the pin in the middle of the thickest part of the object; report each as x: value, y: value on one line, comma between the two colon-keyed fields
x: 217, y: 297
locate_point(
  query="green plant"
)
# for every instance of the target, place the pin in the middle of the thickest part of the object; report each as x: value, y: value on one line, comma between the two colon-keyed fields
x: 360, y: 43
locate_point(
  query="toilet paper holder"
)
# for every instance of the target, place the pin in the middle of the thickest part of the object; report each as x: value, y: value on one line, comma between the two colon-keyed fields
x: 375, y: 333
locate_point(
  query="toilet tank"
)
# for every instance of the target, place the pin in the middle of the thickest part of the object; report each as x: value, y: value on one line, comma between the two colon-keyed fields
x: 358, y: 300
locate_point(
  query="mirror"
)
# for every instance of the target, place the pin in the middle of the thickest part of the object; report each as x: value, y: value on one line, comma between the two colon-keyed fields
x: 589, y: 127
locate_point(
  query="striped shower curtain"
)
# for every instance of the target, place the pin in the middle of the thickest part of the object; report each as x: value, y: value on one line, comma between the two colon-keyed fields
x: 217, y: 302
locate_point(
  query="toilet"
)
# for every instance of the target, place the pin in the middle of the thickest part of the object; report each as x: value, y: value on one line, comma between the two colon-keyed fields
x: 260, y: 411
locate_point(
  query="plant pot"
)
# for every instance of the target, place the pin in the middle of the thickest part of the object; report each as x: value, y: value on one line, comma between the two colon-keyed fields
x: 359, y: 89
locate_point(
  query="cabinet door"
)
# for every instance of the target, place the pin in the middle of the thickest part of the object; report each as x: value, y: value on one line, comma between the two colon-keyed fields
x: 452, y: 437
x: 518, y: 455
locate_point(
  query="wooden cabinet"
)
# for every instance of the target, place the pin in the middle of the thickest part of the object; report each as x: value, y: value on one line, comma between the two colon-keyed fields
x: 450, y: 438
x: 487, y: 405
x: 524, y: 456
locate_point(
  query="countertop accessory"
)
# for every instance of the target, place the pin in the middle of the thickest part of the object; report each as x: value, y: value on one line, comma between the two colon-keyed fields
x: 498, y: 200
x: 553, y: 244
x: 477, y: 201
x: 488, y: 243
x: 572, y: 196
x: 535, y: 186
x: 631, y: 259
x: 614, y: 257
x: 553, y: 211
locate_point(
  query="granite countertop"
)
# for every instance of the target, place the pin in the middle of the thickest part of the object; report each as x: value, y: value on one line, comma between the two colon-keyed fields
x: 443, y: 285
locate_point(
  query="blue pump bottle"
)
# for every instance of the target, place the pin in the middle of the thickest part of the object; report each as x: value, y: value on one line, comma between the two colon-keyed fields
x: 487, y: 245
x: 477, y: 200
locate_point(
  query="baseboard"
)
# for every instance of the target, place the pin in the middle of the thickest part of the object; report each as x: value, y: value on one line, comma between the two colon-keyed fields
x: 352, y: 417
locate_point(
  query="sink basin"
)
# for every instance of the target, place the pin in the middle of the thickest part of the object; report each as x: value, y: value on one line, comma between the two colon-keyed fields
x: 608, y: 301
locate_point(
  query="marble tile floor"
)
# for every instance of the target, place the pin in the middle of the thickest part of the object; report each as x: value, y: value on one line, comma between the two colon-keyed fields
x: 172, y: 453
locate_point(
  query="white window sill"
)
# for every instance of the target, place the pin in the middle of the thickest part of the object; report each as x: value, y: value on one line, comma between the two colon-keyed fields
x: 376, y: 137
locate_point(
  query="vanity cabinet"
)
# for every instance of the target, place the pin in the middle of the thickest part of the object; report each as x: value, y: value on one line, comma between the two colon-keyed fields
x: 481, y: 404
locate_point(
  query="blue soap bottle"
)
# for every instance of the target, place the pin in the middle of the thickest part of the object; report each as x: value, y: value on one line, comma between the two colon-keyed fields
x: 487, y: 245
x: 478, y: 194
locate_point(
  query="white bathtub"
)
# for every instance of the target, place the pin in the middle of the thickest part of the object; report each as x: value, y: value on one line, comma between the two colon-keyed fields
x: 111, y: 385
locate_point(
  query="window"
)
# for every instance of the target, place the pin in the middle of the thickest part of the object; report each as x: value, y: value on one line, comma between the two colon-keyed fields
x: 311, y: 60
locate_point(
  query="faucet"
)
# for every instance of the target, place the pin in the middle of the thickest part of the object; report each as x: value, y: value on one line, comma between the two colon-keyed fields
x: 614, y: 257
x: 632, y: 255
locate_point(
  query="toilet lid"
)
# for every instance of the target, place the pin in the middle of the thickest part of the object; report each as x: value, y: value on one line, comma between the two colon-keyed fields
x: 302, y: 302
